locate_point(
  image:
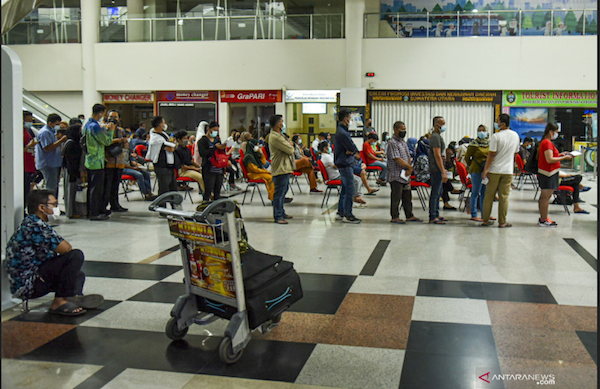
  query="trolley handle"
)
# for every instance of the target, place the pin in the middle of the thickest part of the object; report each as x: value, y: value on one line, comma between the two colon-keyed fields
x: 173, y: 198
x: 220, y: 206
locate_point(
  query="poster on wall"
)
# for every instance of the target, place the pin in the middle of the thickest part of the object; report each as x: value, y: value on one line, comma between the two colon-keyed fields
x: 529, y: 122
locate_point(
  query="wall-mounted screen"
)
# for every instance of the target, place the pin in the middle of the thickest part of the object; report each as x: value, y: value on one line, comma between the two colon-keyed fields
x: 314, y: 108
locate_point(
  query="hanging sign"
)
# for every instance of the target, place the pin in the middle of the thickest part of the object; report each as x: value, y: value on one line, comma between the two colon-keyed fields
x: 251, y: 96
x: 175, y: 96
x: 534, y: 98
x: 128, y: 97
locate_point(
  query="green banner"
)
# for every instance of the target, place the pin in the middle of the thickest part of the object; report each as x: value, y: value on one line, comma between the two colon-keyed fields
x: 535, y: 98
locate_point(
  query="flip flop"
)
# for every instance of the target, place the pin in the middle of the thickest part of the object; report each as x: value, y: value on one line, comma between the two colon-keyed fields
x: 398, y: 221
x: 415, y: 220
x: 442, y: 219
x: 583, y: 211
x: 281, y: 221
x: 67, y: 309
x: 89, y: 301
x: 372, y: 193
x: 437, y: 221
x: 492, y: 218
x: 484, y: 224
x: 449, y: 208
x: 507, y: 225
x: 476, y: 219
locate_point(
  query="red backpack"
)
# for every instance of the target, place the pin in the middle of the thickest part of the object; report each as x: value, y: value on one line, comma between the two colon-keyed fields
x: 220, y: 159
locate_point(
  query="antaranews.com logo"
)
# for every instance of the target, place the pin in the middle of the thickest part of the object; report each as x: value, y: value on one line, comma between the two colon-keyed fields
x: 491, y: 380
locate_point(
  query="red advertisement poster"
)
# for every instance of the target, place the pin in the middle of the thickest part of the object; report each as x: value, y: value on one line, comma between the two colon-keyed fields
x: 251, y: 96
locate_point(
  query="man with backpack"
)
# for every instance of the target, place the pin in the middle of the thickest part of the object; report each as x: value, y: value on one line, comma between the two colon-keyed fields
x: 95, y: 137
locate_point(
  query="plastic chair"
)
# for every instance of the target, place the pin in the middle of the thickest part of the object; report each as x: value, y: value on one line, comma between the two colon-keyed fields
x: 421, y: 188
x: 141, y: 150
x: 186, y: 182
x: 524, y: 174
x: 369, y: 169
x: 561, y: 193
x: 331, y: 184
x: 250, y: 183
x: 126, y: 181
x: 294, y: 180
x: 465, y: 191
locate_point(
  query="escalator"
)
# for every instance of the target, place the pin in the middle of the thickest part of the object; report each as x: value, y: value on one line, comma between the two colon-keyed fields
x: 41, y: 109
x: 13, y: 11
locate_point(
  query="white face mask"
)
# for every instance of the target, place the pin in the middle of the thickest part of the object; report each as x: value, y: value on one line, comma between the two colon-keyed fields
x: 255, y: 148
x: 555, y: 135
x: 54, y: 215
x: 28, y: 124
x: 166, y: 127
x: 299, y: 141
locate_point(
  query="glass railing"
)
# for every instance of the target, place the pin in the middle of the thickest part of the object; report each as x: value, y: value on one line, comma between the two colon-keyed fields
x: 40, y: 108
x: 27, y: 33
x: 481, y: 23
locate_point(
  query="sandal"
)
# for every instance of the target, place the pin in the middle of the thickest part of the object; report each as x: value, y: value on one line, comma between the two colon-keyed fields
x: 484, y: 224
x: 582, y: 211
x: 372, y: 193
x: 477, y: 219
x: 89, y: 301
x: 437, y: 221
x: 507, y: 225
x: 397, y: 221
x: 281, y: 221
x: 414, y: 219
x: 442, y: 219
x: 492, y: 218
x: 68, y: 309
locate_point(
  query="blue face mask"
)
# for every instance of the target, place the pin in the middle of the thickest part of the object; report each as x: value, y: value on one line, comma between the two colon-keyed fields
x: 28, y: 124
x: 214, y: 134
x: 283, y: 128
x: 443, y: 128
x: 528, y: 147
x: 56, y: 128
x: 496, y: 126
x: 482, y: 134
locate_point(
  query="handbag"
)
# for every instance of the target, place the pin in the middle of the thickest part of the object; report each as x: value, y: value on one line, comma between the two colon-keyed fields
x: 114, y: 149
x: 220, y: 159
x: 81, y: 193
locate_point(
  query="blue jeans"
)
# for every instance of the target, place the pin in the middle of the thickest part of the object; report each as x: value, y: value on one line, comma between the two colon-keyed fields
x: 383, y: 166
x: 281, y: 183
x: 477, y: 194
x: 142, y: 177
x: 51, y: 176
x: 347, y: 192
x: 436, y: 192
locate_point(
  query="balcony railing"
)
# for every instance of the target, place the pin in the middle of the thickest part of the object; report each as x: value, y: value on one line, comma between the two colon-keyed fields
x: 27, y: 33
x: 481, y: 23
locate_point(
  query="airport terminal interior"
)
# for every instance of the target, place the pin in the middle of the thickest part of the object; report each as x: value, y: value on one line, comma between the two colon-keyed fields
x: 416, y: 305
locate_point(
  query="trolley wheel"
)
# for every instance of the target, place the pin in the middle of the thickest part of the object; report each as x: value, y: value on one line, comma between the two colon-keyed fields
x: 173, y: 332
x: 226, y: 351
x: 277, y: 318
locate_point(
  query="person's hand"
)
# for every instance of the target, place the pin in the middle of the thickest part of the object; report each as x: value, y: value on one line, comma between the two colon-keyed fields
x: 111, y: 126
x: 567, y: 156
x: 484, y: 175
x: 84, y: 176
x: 444, y: 176
x: 357, y: 156
x: 363, y: 166
x: 409, y: 171
x: 63, y: 138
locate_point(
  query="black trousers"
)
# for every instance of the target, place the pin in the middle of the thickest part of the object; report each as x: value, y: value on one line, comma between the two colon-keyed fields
x: 96, y: 192
x: 212, y: 184
x: 166, y: 179
x: 112, y: 180
x: 401, y: 192
x: 62, y: 275
x: 28, y: 179
x: 573, y: 182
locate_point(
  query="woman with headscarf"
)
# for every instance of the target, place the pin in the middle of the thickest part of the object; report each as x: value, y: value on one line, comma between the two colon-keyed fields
x: 201, y: 131
x: 72, y: 163
x: 255, y: 168
x: 475, y: 158
x: 412, y: 146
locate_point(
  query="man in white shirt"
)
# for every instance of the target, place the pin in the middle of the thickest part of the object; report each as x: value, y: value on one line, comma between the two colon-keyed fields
x: 334, y: 174
x: 499, y: 169
x: 320, y: 138
x: 162, y: 154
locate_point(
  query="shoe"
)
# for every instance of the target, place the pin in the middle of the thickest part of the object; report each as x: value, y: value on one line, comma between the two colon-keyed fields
x: 585, y: 189
x: 288, y: 217
x: 281, y: 221
x: 338, y: 216
x: 288, y: 200
x: 546, y: 223
x: 351, y: 219
x: 315, y: 191
x: 449, y: 208
x: 62, y: 213
x: 106, y: 212
x: 102, y: 216
x: 359, y: 205
x: 235, y: 187
x: 119, y: 209
x: 150, y: 197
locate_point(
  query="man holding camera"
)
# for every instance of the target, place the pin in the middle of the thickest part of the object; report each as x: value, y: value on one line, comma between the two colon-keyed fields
x: 48, y: 158
x: 97, y: 137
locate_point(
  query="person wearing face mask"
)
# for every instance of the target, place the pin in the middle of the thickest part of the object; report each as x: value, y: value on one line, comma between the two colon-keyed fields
x: 398, y: 175
x: 499, y: 169
x: 162, y: 154
x: 303, y: 164
x: 475, y: 158
x: 437, y: 171
x: 253, y: 162
x: 548, y: 172
x: 375, y: 158
x: 334, y: 174
x: 385, y: 138
x: 72, y: 172
x: 282, y: 165
x: 344, y: 155
x: 48, y: 158
x: 188, y: 167
x: 114, y: 165
x: 525, y: 149
x: 39, y: 261
x: 29, y: 143
x: 213, y: 176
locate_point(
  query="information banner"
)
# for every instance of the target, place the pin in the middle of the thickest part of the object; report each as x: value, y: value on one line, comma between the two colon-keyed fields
x: 534, y: 98
x: 201, y: 95
x: 192, y: 231
x: 311, y: 96
x: 128, y: 97
x: 251, y: 96
x: 210, y: 269
x: 434, y: 96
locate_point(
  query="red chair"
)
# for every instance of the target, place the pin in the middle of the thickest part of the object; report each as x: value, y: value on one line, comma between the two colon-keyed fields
x: 369, y: 169
x: 141, y: 150
x: 186, y: 182
x: 294, y: 179
x: 561, y: 193
x: 267, y: 156
x: 331, y: 184
x: 191, y: 148
x: 421, y: 188
x: 251, y: 183
x: 524, y: 174
x: 466, y: 184
x: 126, y: 181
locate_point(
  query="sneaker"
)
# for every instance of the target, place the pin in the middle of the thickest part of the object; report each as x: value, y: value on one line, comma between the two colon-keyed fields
x: 288, y: 200
x: 351, y: 219
x: 315, y: 191
x: 100, y: 217
x: 338, y: 216
x: 585, y: 189
x: 359, y: 205
x: 546, y: 223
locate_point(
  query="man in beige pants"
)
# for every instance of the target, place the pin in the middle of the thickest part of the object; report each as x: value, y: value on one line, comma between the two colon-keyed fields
x: 499, y: 169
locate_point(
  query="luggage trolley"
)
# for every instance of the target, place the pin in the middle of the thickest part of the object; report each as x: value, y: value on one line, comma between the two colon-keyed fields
x: 213, y: 236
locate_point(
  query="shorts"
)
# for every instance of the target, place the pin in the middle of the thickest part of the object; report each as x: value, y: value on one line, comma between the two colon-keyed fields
x: 548, y: 182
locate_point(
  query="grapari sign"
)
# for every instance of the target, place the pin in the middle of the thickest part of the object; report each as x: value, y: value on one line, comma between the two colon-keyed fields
x: 253, y: 96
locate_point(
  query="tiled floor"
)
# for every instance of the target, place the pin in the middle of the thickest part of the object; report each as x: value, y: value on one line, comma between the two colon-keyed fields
x: 384, y: 306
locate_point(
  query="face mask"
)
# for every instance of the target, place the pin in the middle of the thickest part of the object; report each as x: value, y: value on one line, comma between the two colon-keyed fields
x: 401, y: 134
x: 387, y: 137
x: 56, y: 128
x: 214, y: 134
x: 496, y: 126
x: 54, y: 215
x: 283, y: 128
x: 28, y: 124
x: 165, y: 129
x: 528, y: 147
x: 255, y: 148
x: 555, y: 135
x: 443, y: 128
x: 185, y: 142
x: 299, y: 141
x: 482, y: 134
x: 329, y: 151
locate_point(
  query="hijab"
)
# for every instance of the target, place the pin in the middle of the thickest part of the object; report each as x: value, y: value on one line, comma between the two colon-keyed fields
x: 423, y: 147
x: 201, y: 131
x: 252, y: 156
x: 481, y: 142
x: 412, y: 143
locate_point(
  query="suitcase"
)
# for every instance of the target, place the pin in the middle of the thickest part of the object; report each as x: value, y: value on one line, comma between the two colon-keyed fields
x: 271, y: 286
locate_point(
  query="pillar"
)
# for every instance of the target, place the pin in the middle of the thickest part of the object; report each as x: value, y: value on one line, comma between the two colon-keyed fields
x: 90, y: 29
x: 354, y: 25
x: 223, y: 120
x: 135, y: 29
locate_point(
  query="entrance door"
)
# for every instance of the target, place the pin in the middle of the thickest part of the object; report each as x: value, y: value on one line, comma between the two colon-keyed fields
x: 310, y: 124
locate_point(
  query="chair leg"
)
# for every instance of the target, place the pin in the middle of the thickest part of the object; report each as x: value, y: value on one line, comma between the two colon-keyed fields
x: 297, y: 183
x: 292, y: 189
x: 325, y: 196
x: 124, y: 190
x: 253, y: 190
x: 261, y: 196
x: 563, y: 199
x: 245, y: 193
x: 25, y: 306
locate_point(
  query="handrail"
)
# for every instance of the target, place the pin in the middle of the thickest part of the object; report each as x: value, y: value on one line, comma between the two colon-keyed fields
x: 42, y: 106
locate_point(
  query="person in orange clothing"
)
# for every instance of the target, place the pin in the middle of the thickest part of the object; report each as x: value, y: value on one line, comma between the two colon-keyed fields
x: 253, y: 161
x: 304, y: 165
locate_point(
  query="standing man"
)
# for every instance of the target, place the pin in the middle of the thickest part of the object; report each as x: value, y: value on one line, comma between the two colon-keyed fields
x: 141, y: 132
x: 162, y: 154
x: 97, y: 137
x: 48, y: 158
x: 81, y: 117
x: 345, y: 153
x: 437, y: 171
x: 29, y: 152
x: 399, y: 161
x: 499, y: 169
x: 113, y: 169
x: 282, y: 165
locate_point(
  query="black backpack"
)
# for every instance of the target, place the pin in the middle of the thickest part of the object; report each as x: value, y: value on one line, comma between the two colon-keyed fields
x: 532, y: 162
x: 83, y: 140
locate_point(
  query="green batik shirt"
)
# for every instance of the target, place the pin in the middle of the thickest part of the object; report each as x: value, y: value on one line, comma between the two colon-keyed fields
x: 97, y: 139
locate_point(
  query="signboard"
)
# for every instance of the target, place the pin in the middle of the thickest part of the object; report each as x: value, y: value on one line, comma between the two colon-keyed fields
x: 568, y: 99
x: 357, y: 120
x: 128, y: 97
x: 187, y: 96
x: 210, y: 269
x: 195, y: 232
x: 253, y: 96
x: 434, y: 96
x: 311, y: 96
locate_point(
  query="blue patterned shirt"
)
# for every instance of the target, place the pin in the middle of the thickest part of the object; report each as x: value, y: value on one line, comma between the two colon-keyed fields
x: 32, y: 244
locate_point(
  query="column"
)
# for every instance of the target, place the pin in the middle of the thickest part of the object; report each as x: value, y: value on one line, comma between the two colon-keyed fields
x: 223, y: 120
x: 135, y: 28
x: 90, y: 27
x: 354, y: 24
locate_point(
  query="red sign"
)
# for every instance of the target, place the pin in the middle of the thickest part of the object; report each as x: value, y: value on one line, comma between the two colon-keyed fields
x: 128, y: 97
x: 201, y: 95
x: 251, y: 96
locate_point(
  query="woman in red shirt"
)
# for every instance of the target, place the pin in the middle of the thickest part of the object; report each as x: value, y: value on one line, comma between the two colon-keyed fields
x: 548, y: 168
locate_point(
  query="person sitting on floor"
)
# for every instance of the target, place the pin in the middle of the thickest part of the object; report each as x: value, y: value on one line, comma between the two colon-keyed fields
x: 40, y: 261
x: 334, y: 174
x: 253, y: 161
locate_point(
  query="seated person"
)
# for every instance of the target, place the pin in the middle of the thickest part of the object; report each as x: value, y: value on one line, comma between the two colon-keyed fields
x: 304, y: 165
x: 40, y: 261
x: 188, y: 168
x: 138, y: 171
x: 525, y: 149
x: 421, y: 173
x: 574, y: 181
x: 334, y: 174
x: 375, y: 158
x: 320, y: 138
x: 253, y: 161
x: 359, y: 168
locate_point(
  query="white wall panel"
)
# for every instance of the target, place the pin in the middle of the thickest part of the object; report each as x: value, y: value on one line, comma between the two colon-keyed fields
x: 414, y: 115
x: 463, y: 118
